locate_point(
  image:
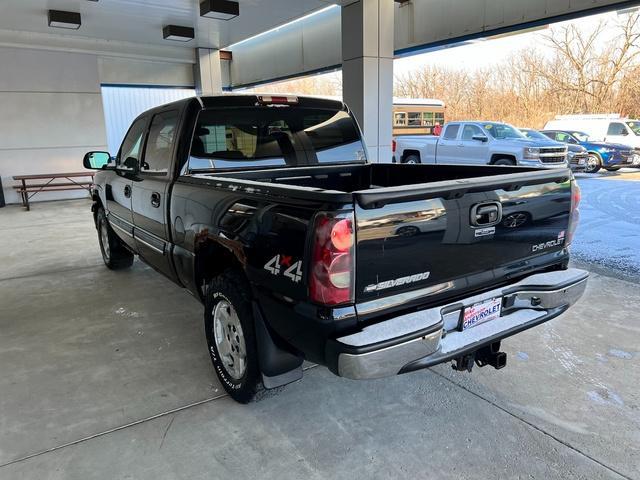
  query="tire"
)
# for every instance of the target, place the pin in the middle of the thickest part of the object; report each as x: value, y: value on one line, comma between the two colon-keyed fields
x: 413, y: 159
x: 504, y: 162
x: 229, y: 327
x: 594, y: 163
x: 114, y: 254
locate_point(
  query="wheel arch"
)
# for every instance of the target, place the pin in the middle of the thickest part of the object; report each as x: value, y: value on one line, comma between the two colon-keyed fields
x: 410, y: 151
x: 499, y: 156
x: 95, y: 206
x: 211, y: 259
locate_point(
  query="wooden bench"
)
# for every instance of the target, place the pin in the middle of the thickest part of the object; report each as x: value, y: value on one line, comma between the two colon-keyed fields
x: 28, y: 190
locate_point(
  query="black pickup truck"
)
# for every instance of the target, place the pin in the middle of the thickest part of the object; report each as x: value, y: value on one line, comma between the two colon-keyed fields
x: 266, y: 209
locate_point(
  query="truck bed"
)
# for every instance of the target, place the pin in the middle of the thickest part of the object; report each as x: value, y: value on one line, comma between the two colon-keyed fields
x: 415, y: 220
x: 359, y: 178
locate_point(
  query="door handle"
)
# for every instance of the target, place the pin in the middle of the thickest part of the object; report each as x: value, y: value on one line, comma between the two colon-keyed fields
x: 127, y: 191
x: 155, y: 199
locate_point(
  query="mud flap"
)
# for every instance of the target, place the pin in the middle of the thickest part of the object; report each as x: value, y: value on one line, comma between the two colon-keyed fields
x: 278, y: 366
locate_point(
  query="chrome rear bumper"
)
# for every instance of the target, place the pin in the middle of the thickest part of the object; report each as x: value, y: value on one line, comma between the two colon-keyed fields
x: 428, y: 337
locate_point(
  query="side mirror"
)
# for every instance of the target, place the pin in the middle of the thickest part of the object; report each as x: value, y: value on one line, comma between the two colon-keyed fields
x: 96, y: 160
x: 480, y: 138
x: 130, y: 163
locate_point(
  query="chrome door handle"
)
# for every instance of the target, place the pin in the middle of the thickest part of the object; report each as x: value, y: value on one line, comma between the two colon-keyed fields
x: 155, y: 199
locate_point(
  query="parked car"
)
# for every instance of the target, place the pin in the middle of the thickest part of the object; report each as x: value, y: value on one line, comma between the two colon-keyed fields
x: 266, y: 209
x: 480, y: 143
x: 608, y: 128
x: 610, y: 156
x: 577, y: 155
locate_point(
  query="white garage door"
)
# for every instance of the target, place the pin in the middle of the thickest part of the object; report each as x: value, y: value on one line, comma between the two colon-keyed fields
x: 123, y: 104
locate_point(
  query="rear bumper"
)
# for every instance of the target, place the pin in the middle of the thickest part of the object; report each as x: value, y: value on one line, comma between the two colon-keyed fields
x: 428, y: 337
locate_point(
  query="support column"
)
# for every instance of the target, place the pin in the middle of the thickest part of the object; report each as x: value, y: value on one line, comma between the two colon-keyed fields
x: 367, y: 71
x: 207, y: 74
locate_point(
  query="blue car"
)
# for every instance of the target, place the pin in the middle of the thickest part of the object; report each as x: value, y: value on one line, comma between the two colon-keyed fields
x: 610, y: 156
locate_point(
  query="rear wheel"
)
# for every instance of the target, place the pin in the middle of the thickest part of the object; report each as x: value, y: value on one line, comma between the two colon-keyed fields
x: 231, y: 336
x: 413, y: 158
x: 114, y: 254
x: 594, y: 163
x: 504, y: 162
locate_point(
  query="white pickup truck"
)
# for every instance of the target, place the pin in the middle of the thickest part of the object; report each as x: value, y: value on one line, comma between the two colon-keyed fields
x: 479, y: 143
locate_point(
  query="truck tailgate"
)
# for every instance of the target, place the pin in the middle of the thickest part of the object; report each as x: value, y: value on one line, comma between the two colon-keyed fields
x: 450, y: 237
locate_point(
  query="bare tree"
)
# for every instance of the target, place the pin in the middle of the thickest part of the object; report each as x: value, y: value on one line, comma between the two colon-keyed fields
x: 585, y: 71
x: 581, y: 71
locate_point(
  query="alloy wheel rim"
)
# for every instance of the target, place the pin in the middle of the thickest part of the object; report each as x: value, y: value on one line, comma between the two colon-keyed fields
x: 104, y: 237
x: 229, y: 339
x: 591, y: 163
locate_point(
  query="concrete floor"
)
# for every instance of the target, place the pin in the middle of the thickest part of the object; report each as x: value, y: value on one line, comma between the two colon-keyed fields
x: 105, y: 375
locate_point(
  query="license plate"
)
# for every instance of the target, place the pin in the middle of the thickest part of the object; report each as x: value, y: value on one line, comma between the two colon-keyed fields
x: 481, y: 312
x: 582, y: 161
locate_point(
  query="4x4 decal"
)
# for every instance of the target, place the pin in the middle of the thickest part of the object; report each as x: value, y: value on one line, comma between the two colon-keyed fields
x: 277, y: 263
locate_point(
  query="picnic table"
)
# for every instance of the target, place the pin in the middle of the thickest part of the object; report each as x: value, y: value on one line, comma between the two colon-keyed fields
x: 47, y: 183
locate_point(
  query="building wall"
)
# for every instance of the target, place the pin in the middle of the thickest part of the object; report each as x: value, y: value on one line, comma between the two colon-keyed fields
x: 51, y: 114
x: 52, y: 110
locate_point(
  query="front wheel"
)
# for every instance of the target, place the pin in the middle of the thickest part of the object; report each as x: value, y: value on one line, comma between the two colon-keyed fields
x: 231, y: 339
x: 504, y: 162
x: 114, y: 254
x: 593, y: 163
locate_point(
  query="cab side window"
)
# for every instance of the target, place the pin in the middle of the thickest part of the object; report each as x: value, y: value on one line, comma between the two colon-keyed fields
x: 551, y: 135
x: 159, y: 149
x: 451, y: 132
x: 131, y: 149
x: 469, y: 131
x: 617, y: 128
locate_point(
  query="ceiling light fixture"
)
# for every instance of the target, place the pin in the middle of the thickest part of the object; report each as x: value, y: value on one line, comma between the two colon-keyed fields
x: 62, y: 19
x: 219, y: 9
x: 177, y: 33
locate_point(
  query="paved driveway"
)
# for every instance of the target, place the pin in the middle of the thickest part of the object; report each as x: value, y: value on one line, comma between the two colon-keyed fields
x: 105, y: 375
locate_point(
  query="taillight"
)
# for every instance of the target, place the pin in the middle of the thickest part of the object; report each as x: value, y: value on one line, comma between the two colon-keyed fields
x: 331, y: 277
x: 574, y: 216
x: 393, y: 146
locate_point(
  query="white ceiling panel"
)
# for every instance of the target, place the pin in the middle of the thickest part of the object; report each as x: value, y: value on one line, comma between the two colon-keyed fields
x: 141, y: 21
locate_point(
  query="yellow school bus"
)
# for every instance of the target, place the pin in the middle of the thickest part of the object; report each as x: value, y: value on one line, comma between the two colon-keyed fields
x: 416, y: 116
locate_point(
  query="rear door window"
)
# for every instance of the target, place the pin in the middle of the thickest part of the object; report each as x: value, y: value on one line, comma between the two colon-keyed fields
x: 451, y: 132
x: 159, y: 148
